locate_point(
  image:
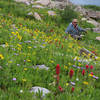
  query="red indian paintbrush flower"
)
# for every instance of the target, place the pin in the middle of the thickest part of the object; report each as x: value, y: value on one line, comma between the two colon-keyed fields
x: 72, y: 89
x: 83, y: 72
x: 60, y: 89
x: 87, y: 66
x: 91, y: 67
x: 57, y: 69
x: 62, y: 46
x: 71, y: 73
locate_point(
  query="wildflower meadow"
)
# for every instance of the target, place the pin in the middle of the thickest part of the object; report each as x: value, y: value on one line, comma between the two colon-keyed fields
x: 26, y: 43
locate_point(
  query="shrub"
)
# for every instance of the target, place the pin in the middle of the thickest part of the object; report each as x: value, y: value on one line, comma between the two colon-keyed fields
x: 68, y: 14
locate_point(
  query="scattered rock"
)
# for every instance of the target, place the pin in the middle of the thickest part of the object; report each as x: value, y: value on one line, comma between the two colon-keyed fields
x: 41, y: 67
x: 51, y: 13
x: 95, y: 23
x: 83, y: 19
x: 93, y: 14
x: 43, y: 2
x: 37, y: 89
x: 37, y: 6
x: 98, y: 38
x: 0, y: 67
x: 57, y: 4
x: 37, y: 16
x: 27, y: 41
x: 97, y: 30
x: 3, y: 45
x: 30, y: 13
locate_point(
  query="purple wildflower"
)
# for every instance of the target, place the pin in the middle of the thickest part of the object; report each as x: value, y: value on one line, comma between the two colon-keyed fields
x: 14, y: 79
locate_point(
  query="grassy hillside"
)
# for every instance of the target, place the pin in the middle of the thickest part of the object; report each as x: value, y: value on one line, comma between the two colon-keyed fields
x: 28, y: 42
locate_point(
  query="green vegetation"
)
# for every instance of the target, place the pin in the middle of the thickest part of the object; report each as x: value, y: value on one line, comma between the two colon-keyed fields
x: 68, y: 14
x: 28, y: 42
x: 93, y: 7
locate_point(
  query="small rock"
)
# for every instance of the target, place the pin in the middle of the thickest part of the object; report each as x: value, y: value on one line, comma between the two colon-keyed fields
x: 30, y: 13
x: 41, y: 67
x: 0, y: 67
x: 95, y: 23
x: 37, y: 6
x: 51, y: 13
x: 37, y: 16
x: 83, y: 19
x: 3, y: 45
x: 97, y: 30
x: 43, y: 2
x: 98, y: 38
x: 36, y: 89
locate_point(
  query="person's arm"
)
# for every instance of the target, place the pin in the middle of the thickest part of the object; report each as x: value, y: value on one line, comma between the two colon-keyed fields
x: 68, y: 29
x: 81, y: 29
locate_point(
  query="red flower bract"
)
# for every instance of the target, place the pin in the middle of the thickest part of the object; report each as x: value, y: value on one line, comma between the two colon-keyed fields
x: 60, y: 89
x: 91, y: 67
x: 72, y: 89
x: 83, y: 72
x: 87, y: 66
x: 71, y: 73
x: 57, y: 69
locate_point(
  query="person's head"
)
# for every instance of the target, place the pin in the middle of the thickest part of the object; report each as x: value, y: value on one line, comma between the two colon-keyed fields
x: 74, y: 22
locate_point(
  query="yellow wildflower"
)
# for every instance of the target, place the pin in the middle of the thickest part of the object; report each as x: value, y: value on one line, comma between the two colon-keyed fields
x: 98, y: 58
x: 34, y: 37
x: 69, y: 64
x: 19, y: 37
x: 91, y: 75
x: 86, y: 83
x: 19, y: 48
x: 9, y: 62
x: 0, y: 26
x: 25, y: 69
x: 1, y: 56
x: 7, y: 44
x: 52, y: 61
x: 65, y: 67
x: 13, y: 33
x: 29, y: 47
x: 79, y: 64
x: 19, y: 45
x: 17, y: 33
x: 44, y: 45
x: 67, y: 84
x: 28, y: 60
x: 24, y: 80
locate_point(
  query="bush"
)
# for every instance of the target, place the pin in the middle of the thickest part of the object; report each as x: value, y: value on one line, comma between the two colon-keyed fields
x: 68, y: 14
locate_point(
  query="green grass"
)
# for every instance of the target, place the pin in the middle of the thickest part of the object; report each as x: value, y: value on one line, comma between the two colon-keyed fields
x: 48, y: 46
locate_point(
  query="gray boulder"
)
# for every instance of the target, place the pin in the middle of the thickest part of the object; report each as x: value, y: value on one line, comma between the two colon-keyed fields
x: 41, y: 67
x: 38, y: 89
x: 93, y: 14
